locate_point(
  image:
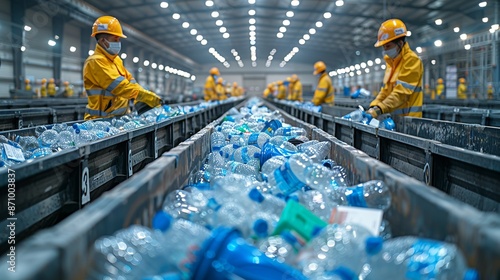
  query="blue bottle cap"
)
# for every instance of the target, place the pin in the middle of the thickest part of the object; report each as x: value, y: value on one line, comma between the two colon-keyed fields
x: 260, y: 227
x: 162, y: 221
x: 213, y: 204
x: 373, y: 244
x: 343, y: 273
x: 75, y: 125
x: 471, y: 274
x: 236, y: 146
x: 256, y: 195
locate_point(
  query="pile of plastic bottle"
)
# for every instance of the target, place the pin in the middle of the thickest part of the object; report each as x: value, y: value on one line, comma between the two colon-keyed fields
x: 359, y: 115
x: 51, y: 139
x: 259, y: 208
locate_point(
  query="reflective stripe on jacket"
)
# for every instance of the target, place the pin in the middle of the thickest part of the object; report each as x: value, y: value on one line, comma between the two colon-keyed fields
x: 402, y: 92
x: 324, y: 91
x: 108, y: 84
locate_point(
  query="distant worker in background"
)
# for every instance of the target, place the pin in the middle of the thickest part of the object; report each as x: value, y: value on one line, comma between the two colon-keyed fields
x: 401, y: 93
x: 295, y: 86
x: 490, y: 91
x: 462, y: 89
x: 27, y: 85
x: 220, y: 90
x: 43, y: 88
x: 209, y: 91
x: 234, y: 90
x: 440, y: 89
x: 51, y: 88
x: 68, y: 89
x: 360, y: 93
x: 269, y: 91
x: 109, y: 85
x: 428, y: 91
x: 324, y: 91
x: 281, y: 90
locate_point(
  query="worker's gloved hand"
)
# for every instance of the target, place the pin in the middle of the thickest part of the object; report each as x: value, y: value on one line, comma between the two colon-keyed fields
x: 149, y: 98
x: 374, y: 111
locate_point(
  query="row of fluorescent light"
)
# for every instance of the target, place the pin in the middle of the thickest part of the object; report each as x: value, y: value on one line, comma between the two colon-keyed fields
x: 270, y: 57
x: 237, y: 57
x: 252, y: 33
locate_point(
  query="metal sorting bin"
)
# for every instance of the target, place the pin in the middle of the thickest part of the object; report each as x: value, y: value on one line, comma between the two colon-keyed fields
x: 11, y: 119
x: 49, y: 189
x: 62, y: 252
x: 437, y: 153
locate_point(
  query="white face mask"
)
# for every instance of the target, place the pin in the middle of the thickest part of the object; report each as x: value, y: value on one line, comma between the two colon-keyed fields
x: 114, y: 47
x: 392, y: 53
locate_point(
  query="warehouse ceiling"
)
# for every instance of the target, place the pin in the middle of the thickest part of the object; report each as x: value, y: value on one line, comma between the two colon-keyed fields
x: 338, y: 32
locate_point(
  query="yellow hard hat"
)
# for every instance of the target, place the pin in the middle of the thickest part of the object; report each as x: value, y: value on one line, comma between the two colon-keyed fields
x: 214, y: 71
x: 235, y: 84
x: 319, y: 67
x: 27, y: 81
x: 294, y: 78
x: 280, y: 83
x: 66, y: 83
x: 462, y: 80
x: 44, y: 81
x: 220, y: 80
x: 390, y: 30
x: 270, y: 86
x: 51, y: 80
x: 107, y: 25
x: 440, y: 81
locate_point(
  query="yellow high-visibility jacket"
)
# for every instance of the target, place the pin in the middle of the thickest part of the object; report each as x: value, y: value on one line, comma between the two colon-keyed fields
x: 402, y: 93
x: 295, y: 91
x: 108, y: 84
x: 220, y: 91
x: 439, y: 90
x: 51, y: 89
x: 209, y: 92
x: 281, y: 92
x: 324, y: 91
x: 462, y: 91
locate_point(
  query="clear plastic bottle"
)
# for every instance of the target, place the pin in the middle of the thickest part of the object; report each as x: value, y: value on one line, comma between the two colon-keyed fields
x: 409, y: 257
x: 132, y: 253
x: 66, y: 139
x: 371, y: 194
x: 242, y: 169
x: 270, y: 165
x: 28, y: 143
x: 258, y: 139
x: 290, y: 131
x: 48, y: 138
x: 317, y: 202
x: 217, y: 140
x: 290, y: 176
x: 246, y: 153
x: 283, y: 248
x: 335, y: 246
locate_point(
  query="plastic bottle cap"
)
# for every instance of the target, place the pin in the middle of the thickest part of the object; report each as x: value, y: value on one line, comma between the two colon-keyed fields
x: 75, y: 125
x: 162, y: 221
x: 373, y: 245
x: 235, y: 146
x: 343, y: 273
x: 471, y: 274
x: 260, y: 227
x: 255, y: 195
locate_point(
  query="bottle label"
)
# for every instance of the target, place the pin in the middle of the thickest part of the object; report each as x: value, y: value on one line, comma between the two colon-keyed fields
x: 287, y: 181
x: 13, y: 153
x: 355, y: 197
x: 424, y: 260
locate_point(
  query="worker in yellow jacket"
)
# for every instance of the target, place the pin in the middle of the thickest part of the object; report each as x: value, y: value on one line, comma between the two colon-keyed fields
x: 109, y: 85
x: 269, y: 91
x: 209, y: 92
x: 295, y: 86
x: 27, y: 86
x: 440, y: 89
x: 68, y: 89
x: 401, y: 93
x: 281, y: 90
x: 43, y: 88
x: 51, y: 88
x: 462, y: 89
x: 220, y: 90
x: 324, y: 91
x: 490, y: 91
